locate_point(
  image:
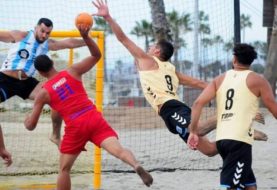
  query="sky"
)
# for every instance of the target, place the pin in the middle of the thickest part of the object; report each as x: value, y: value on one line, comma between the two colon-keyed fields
x: 23, y: 15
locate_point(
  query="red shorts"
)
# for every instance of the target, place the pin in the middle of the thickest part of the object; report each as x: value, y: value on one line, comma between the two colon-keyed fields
x: 91, y: 126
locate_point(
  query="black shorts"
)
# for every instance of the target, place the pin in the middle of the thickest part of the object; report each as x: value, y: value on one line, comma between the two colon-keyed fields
x: 237, y: 164
x: 10, y: 87
x: 176, y: 116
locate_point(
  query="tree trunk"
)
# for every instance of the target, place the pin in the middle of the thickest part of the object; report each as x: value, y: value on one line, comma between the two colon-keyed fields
x: 159, y: 22
x: 271, y: 62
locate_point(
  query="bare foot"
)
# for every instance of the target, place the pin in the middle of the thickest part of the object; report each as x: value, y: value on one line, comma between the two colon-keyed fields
x: 144, y: 175
x: 260, y: 136
x: 55, y: 140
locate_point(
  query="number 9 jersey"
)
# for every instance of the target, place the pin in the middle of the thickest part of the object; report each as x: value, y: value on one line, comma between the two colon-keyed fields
x: 159, y: 85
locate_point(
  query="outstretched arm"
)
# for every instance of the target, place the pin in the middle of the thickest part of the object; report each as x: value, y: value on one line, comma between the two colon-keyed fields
x: 190, y: 81
x: 67, y: 43
x: 6, y: 156
x: 32, y: 119
x: 12, y: 36
x: 139, y: 55
x: 86, y: 64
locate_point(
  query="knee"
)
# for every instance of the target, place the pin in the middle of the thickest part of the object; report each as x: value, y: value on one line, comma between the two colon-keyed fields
x: 65, y: 168
x: 211, y: 154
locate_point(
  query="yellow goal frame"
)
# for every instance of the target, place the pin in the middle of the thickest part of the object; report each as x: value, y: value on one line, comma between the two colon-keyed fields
x: 99, y: 35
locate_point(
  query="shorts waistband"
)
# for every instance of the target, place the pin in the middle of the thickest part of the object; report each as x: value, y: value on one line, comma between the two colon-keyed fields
x: 17, y: 74
x: 81, y: 112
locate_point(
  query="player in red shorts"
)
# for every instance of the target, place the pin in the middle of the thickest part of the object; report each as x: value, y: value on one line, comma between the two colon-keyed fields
x: 65, y: 93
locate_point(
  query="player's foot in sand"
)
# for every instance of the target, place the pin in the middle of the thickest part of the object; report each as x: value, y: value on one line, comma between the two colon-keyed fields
x: 144, y: 175
x: 55, y: 140
x: 260, y: 136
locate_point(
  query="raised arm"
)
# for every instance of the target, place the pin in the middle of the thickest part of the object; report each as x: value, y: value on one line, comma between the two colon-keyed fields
x: 205, y: 97
x: 12, y: 36
x: 32, y: 119
x: 86, y: 64
x: 190, y: 81
x: 67, y: 43
x: 137, y: 52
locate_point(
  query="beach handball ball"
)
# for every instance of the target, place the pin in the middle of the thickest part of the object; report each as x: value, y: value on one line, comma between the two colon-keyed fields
x: 84, y: 19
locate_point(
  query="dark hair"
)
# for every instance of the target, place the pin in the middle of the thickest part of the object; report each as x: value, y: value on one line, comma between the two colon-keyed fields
x: 45, y: 21
x: 245, y: 53
x: 166, y: 49
x: 43, y: 63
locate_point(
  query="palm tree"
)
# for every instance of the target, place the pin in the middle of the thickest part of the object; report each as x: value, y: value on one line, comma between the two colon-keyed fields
x: 159, y: 22
x: 144, y: 28
x: 271, y: 67
x: 218, y: 41
x: 179, y: 24
x: 206, y: 42
x: 245, y: 22
x: 101, y: 24
x: 261, y: 48
x: 228, y: 47
x: 204, y: 29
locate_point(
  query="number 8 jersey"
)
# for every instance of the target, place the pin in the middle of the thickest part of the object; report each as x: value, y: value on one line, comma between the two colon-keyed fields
x: 159, y: 85
x: 236, y: 108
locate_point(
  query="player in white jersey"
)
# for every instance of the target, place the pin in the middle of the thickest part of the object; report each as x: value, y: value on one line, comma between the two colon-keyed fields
x: 237, y: 95
x: 17, y: 70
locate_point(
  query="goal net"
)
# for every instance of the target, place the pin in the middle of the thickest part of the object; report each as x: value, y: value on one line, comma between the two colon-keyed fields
x: 139, y: 127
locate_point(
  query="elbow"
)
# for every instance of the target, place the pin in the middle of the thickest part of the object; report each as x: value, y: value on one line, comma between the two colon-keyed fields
x: 97, y: 56
x: 196, y: 104
x: 29, y: 126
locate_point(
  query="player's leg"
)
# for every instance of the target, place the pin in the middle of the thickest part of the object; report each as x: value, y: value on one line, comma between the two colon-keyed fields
x: 112, y: 145
x: 205, y: 127
x: 66, y: 163
x: 251, y: 188
x: 209, y: 125
x: 35, y: 90
x: 259, y: 135
x: 56, y: 127
x: 8, y: 87
x: 56, y: 119
x: 207, y: 147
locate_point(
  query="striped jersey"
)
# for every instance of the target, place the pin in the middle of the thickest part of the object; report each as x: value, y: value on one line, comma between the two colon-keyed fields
x: 236, y: 108
x: 22, y: 54
x: 159, y: 85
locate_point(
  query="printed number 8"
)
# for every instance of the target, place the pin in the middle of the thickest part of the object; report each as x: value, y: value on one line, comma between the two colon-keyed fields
x: 229, y: 102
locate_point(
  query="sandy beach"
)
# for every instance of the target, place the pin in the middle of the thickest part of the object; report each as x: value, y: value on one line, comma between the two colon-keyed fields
x: 264, y: 165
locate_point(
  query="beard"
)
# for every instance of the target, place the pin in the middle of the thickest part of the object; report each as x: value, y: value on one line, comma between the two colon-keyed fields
x: 39, y: 40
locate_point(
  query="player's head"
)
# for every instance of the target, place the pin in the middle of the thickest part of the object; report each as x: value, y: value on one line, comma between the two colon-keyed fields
x: 43, y: 29
x: 244, y: 54
x: 43, y: 64
x: 162, y: 49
